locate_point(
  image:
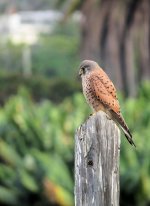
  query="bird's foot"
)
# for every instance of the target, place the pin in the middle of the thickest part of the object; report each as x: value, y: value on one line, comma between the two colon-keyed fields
x: 91, y: 115
x: 80, y: 127
x: 87, y: 120
x: 108, y: 117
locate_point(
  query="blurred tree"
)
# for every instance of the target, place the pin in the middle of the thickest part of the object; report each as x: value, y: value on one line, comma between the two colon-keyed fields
x: 117, y: 35
x: 12, y: 5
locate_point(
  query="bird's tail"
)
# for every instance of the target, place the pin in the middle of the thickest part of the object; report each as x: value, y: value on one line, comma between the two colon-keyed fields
x: 121, y: 122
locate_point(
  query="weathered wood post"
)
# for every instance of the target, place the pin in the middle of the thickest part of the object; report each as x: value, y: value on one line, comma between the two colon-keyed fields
x: 97, y: 151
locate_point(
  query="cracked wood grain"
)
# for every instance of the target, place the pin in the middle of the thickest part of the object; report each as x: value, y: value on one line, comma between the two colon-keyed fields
x: 97, y: 152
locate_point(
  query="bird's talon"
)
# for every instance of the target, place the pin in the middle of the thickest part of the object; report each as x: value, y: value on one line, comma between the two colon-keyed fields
x: 108, y: 117
x: 80, y: 127
x: 90, y: 116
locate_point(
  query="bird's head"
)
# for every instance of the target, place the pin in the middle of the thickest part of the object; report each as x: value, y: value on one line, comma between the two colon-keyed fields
x: 87, y: 66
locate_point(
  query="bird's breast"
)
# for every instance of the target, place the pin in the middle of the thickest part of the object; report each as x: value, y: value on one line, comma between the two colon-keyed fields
x: 90, y: 95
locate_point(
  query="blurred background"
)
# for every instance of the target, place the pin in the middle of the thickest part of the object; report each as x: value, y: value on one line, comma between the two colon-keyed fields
x: 41, y: 45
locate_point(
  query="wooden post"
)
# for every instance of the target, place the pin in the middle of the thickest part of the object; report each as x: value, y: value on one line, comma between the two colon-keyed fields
x: 97, y: 151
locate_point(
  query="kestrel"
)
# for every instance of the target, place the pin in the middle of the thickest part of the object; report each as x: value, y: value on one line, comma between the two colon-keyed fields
x: 100, y: 94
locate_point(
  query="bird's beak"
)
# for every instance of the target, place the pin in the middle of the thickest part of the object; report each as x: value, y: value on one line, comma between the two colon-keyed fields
x: 80, y: 72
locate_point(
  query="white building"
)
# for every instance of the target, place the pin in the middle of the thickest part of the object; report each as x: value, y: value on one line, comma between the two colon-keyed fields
x: 25, y: 26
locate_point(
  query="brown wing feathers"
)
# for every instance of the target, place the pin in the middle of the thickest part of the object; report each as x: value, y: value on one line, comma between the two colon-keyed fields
x: 106, y: 93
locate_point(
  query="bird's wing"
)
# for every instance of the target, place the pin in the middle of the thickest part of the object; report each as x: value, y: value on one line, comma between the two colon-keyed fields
x: 108, y: 83
x: 105, y: 90
x: 118, y: 118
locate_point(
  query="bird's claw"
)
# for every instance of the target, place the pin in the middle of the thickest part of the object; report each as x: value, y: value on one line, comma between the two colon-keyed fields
x: 108, y: 117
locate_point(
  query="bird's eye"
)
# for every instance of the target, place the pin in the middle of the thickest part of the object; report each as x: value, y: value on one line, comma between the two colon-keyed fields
x: 85, y: 68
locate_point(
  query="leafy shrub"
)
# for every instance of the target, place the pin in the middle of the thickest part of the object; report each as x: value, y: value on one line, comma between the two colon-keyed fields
x: 55, y: 89
x: 56, y: 55
x: 36, y: 144
x: 36, y: 150
x: 135, y: 163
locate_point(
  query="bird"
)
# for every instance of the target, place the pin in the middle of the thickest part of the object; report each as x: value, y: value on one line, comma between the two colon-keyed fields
x: 100, y: 93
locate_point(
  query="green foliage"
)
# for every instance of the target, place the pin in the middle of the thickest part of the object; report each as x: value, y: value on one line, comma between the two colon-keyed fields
x: 70, y: 7
x: 55, y: 89
x: 36, y: 144
x: 36, y: 150
x: 11, y: 54
x: 135, y: 164
x: 56, y: 54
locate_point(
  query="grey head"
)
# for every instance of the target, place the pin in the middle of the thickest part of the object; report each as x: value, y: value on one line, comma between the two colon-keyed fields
x: 87, y: 66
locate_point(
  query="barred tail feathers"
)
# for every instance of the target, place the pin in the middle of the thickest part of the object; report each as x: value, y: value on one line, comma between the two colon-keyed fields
x: 128, y: 136
x: 119, y: 120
